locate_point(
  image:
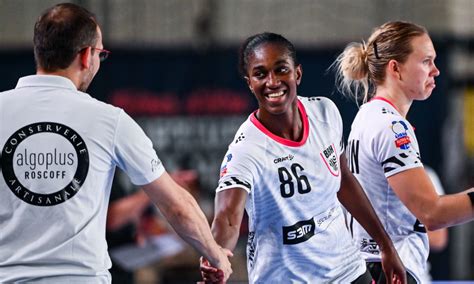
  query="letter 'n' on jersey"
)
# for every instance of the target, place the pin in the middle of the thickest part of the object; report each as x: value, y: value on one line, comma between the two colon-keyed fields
x: 354, y: 156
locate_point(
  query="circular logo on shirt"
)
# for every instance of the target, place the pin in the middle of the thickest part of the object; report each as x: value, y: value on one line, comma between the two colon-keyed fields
x: 45, y: 163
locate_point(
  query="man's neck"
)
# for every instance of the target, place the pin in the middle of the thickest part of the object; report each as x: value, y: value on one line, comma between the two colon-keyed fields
x: 61, y: 72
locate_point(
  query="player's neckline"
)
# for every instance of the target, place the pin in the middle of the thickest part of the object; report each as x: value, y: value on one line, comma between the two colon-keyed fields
x: 282, y: 140
x: 385, y: 100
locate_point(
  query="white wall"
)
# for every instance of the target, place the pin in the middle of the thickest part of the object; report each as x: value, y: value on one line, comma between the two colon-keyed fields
x: 151, y: 23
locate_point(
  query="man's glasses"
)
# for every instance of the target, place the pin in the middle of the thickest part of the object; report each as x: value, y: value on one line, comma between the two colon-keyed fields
x: 103, y: 53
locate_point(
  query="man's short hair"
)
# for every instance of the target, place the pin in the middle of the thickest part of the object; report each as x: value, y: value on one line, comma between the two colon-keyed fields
x: 60, y: 33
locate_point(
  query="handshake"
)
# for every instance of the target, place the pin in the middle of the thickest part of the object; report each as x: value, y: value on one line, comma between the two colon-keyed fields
x: 214, y: 275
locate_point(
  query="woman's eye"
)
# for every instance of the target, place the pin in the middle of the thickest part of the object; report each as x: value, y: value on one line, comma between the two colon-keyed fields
x: 283, y: 69
x: 427, y: 61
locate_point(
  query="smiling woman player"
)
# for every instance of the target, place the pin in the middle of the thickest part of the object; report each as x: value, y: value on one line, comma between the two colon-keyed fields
x: 286, y: 168
x: 393, y: 69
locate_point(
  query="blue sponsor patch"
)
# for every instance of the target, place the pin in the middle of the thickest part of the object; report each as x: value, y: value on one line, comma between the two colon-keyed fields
x: 402, y: 140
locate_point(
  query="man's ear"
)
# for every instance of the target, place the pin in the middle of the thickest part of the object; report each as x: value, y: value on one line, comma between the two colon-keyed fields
x: 85, y: 57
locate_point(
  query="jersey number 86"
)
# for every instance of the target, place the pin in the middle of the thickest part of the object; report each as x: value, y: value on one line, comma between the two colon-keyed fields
x: 287, y: 186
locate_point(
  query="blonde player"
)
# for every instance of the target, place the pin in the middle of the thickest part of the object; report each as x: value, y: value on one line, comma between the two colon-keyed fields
x: 394, y: 68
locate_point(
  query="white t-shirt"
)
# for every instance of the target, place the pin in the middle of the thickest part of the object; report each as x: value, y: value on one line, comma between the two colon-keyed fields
x: 296, y: 226
x: 381, y: 144
x: 59, y: 152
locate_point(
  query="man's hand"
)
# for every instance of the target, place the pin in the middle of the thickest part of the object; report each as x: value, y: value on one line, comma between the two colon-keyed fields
x: 214, y: 275
x: 209, y: 273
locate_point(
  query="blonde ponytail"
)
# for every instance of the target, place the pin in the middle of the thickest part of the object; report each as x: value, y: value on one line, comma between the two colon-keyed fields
x: 352, y: 71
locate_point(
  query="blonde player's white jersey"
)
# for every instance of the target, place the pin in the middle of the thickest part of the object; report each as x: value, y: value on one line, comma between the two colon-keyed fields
x: 381, y: 144
x: 296, y: 226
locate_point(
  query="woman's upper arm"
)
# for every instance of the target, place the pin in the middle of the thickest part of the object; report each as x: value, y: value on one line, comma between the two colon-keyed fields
x: 231, y: 203
x: 229, y: 210
x: 416, y: 191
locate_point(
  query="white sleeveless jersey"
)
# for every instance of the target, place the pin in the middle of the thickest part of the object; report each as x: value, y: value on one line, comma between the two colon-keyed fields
x: 381, y: 144
x: 297, y: 232
x: 59, y: 152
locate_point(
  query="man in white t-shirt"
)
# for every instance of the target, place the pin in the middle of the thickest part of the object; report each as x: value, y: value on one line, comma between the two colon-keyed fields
x: 59, y: 149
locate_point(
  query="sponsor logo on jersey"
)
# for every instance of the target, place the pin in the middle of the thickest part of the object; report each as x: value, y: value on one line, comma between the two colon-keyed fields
x: 155, y: 164
x: 369, y: 246
x: 240, y: 138
x: 312, y: 99
x: 299, y: 232
x: 304, y: 230
x: 282, y: 159
x: 402, y: 140
x: 224, y: 167
x: 385, y: 111
x: 45, y: 163
x: 329, y: 157
x: 251, y: 249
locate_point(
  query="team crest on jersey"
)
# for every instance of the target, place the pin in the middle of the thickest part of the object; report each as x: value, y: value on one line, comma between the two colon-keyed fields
x: 402, y: 140
x: 329, y: 157
x: 224, y: 167
x: 45, y: 163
